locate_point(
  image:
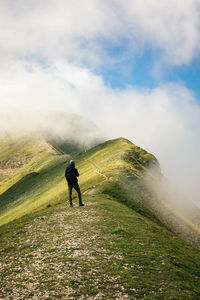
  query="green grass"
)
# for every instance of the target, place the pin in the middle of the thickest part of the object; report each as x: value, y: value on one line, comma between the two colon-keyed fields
x: 25, y: 194
x: 20, y: 156
x: 116, y: 168
x: 118, y: 253
x: 32, y: 184
x: 114, y: 247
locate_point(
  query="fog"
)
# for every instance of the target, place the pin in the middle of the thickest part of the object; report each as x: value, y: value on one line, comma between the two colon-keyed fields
x: 51, y: 63
x: 174, y: 207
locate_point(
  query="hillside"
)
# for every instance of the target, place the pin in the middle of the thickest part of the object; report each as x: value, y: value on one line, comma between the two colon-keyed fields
x: 116, y: 168
x: 25, y: 162
x: 36, y: 176
x: 104, y: 250
x: 38, y: 179
x: 20, y: 155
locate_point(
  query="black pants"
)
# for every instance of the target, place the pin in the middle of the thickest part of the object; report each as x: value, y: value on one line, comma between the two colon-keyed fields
x: 77, y: 189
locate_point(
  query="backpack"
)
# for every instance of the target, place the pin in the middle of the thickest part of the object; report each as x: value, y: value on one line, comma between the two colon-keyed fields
x: 69, y: 174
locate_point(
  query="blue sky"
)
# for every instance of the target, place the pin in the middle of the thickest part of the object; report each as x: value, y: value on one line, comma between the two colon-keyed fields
x: 189, y: 75
x: 139, y: 71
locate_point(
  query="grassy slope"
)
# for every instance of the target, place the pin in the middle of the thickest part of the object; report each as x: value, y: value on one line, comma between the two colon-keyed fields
x: 49, y: 186
x: 105, y: 248
x: 20, y: 156
x: 116, y: 168
x: 28, y: 165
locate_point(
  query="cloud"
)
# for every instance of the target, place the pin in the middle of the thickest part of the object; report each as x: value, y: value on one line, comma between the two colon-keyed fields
x: 64, y: 28
x: 171, y: 27
x: 164, y: 120
x: 54, y: 29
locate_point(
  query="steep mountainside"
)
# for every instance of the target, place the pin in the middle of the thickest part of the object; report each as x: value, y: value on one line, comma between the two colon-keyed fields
x: 104, y: 250
x: 37, y: 172
x: 20, y: 155
x: 23, y: 159
x: 116, y: 168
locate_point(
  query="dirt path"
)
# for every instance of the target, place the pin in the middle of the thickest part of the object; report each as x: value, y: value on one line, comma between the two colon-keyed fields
x: 98, y: 170
x: 102, y: 251
x: 59, y: 255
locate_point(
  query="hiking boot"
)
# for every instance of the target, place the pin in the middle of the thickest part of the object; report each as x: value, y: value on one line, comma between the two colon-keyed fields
x: 71, y: 205
x: 81, y: 204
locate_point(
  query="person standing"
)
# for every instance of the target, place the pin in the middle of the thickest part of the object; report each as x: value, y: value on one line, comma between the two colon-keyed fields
x: 71, y: 174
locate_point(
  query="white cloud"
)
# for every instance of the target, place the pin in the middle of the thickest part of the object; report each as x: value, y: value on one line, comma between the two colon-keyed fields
x: 69, y: 29
x: 171, y: 26
x: 53, y: 28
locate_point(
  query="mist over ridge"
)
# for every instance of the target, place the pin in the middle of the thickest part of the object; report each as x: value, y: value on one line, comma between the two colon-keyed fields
x: 65, y: 130
x: 52, y: 63
x: 170, y: 144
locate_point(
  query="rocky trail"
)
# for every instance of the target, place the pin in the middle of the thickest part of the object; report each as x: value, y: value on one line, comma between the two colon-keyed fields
x: 60, y: 255
x: 103, y: 250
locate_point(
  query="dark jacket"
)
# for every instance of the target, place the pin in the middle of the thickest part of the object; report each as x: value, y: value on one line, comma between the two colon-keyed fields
x: 71, y: 175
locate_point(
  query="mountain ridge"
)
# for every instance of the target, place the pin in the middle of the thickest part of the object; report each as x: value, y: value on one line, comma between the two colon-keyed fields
x: 116, y: 167
x: 116, y: 247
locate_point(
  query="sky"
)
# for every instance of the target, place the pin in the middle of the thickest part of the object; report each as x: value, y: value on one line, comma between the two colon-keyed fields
x: 130, y: 66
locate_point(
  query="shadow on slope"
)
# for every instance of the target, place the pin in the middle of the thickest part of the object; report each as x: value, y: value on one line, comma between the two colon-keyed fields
x: 14, y: 193
x: 34, y: 191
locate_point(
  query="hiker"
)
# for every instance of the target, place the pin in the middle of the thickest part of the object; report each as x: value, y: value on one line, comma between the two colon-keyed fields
x: 71, y: 175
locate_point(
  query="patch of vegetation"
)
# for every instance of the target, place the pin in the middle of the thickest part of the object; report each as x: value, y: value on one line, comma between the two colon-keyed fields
x: 134, y: 200
x: 115, y: 190
x: 140, y: 158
